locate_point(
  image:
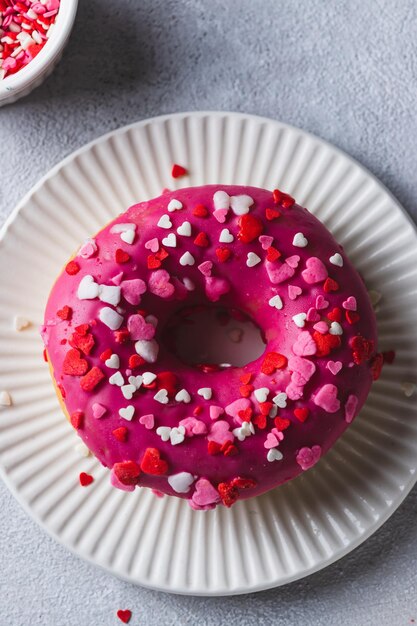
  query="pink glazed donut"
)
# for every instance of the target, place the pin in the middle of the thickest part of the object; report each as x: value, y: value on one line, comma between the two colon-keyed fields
x: 210, y: 434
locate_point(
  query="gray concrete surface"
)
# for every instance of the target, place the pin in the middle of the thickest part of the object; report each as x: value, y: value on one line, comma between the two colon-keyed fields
x: 345, y: 70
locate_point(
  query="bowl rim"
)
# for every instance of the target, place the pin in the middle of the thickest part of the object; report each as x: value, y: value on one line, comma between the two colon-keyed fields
x: 14, y: 83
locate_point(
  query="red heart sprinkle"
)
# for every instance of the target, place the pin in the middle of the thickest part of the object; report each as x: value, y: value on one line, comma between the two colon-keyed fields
x: 65, y: 313
x: 246, y: 390
x: 127, y: 472
x: 301, y: 413
x: 223, y: 254
x: 178, y: 171
x: 283, y: 198
x: 198, y: 410
x: 162, y: 254
x: 153, y: 262
x: 200, y: 210
x: 152, y: 463
x: 124, y: 615
x: 74, y: 364
x: 72, y: 268
x: 135, y: 361
x: 260, y: 421
x: 213, y: 448
x: 352, y: 316
x: 265, y: 407
x: 92, y: 379
x: 272, y: 214
x: 376, y: 366
x: 273, y: 361
x: 201, y: 240
x: 281, y: 423
x: 250, y: 228
x: 121, y: 256
x: 246, y: 414
x: 325, y: 343
x: 85, y: 479
x: 168, y: 381
x: 246, y: 378
x: 85, y: 343
x: 362, y: 349
x: 82, y: 329
x: 330, y: 285
x: 272, y: 254
x: 77, y: 419
x: 120, y: 433
x: 230, y: 450
x: 228, y: 493
x: 335, y: 315
x: 122, y: 335
x: 244, y: 483
x: 106, y: 354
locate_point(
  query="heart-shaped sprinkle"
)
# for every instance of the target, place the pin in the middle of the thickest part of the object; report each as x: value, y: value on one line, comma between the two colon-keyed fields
x: 181, y: 482
x: 205, y: 268
x: 276, y: 302
x: 120, y: 433
x: 220, y: 215
x: 152, y: 245
x: 301, y: 413
x: 85, y: 479
x: 250, y: 228
x: 88, y: 249
x: 110, y: 294
x: 220, y: 432
x: 132, y: 290
x: 280, y: 400
x: 128, y: 236
x: 326, y: 398
x: 273, y: 361
x: 98, y: 410
x: 127, y: 413
x: 148, y: 378
x: 302, y: 369
x: 307, y: 457
x: 216, y: 287
x: 170, y: 241
x: 88, y: 289
x: 161, y: 396
x: 294, y: 291
x: 205, y: 392
x: 321, y: 303
x: 148, y: 421
x: 315, y: 271
x: 117, y: 379
x: 330, y: 285
x: 312, y: 315
x: 334, y: 366
x: 205, y: 494
x: 215, y: 412
x: 111, y: 318
x: 178, y: 171
x: 266, y: 241
x: 74, y: 364
x: 321, y: 327
x: 261, y: 394
x: 293, y: 261
x: 278, y: 273
x: 187, y: 259
x: 271, y: 441
x: 128, y: 391
x: 336, y: 259
x: 272, y: 254
x: 299, y: 319
x: 221, y: 200
x: 152, y: 463
x: 113, y: 362
x: 274, y: 455
x: 148, y: 350
x: 177, y: 435
x: 241, y: 204
x: 304, y: 345
x: 183, y: 396
x: 299, y: 241
x: 159, y: 284
x: 164, y: 432
x: 184, y: 229
x: 121, y: 256
x: 226, y: 236
x: 350, y: 304
x: 174, y: 205
x: 335, y: 329
x: 252, y: 259
x: 124, y: 615
x: 164, y: 222
x: 139, y: 329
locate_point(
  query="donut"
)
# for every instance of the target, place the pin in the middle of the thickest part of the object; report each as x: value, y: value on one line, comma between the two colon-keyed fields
x: 209, y: 433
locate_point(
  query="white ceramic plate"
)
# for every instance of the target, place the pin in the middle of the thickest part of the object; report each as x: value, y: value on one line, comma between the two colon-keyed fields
x: 161, y: 543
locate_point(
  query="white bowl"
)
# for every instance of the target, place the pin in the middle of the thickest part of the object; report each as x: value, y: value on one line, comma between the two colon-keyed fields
x: 34, y: 73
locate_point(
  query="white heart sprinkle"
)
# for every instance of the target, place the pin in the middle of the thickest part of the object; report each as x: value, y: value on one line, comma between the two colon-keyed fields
x: 221, y: 200
x: 127, y: 413
x: 148, y: 350
x: 148, y: 377
x: 170, y: 241
x: 274, y: 455
x: 280, y: 400
x: 122, y: 228
x: 245, y: 430
x: 184, y: 229
x: 261, y: 394
x: 226, y: 236
x: 164, y: 222
x: 161, y: 396
x: 299, y: 241
x: 408, y: 389
x: 117, y: 379
x: 88, y: 289
x: 300, y: 319
x: 253, y: 259
x: 5, y: 398
x: 20, y: 323
x: 113, y: 362
x: 205, y: 392
x: 110, y: 318
x: 335, y: 329
x: 128, y: 391
x: 164, y: 432
x: 240, y: 204
x: 128, y: 236
x: 276, y: 302
x: 177, y: 435
x: 109, y: 294
x: 187, y: 259
x: 181, y: 482
x: 183, y: 396
x: 336, y: 259
x: 136, y: 381
x: 274, y: 410
x: 174, y: 205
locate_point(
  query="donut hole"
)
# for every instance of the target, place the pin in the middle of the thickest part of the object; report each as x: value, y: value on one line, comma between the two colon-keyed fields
x: 210, y: 335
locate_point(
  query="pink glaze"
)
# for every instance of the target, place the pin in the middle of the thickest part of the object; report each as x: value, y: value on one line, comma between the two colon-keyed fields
x: 203, y: 445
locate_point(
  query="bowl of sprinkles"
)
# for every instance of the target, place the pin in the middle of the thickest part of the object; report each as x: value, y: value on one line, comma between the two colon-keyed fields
x: 33, y: 34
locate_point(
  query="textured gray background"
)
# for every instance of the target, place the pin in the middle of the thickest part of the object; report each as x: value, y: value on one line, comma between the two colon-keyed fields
x: 343, y: 70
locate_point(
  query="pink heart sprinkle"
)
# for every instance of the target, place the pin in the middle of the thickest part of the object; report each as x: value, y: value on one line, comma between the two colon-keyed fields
x: 215, y: 412
x: 216, y: 288
x: 334, y: 366
x: 350, y: 408
x: 312, y: 315
x: 88, y: 249
x: 304, y: 345
x: 159, y: 284
x: 205, y: 268
x: 220, y: 432
x: 315, y: 271
x: 133, y: 289
x: 139, y: 329
x: 205, y: 494
x: 302, y: 369
x: 235, y: 407
x: 326, y: 398
x: 350, y: 304
x: 265, y: 241
x: 148, y: 421
x: 294, y: 392
x: 307, y: 457
x: 321, y: 327
x: 98, y: 410
x: 220, y: 215
x: 321, y: 303
x: 294, y: 292
x: 116, y: 280
x: 278, y: 273
x: 271, y: 441
x: 193, y: 426
x: 152, y: 245
x: 293, y: 261
x: 278, y: 434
